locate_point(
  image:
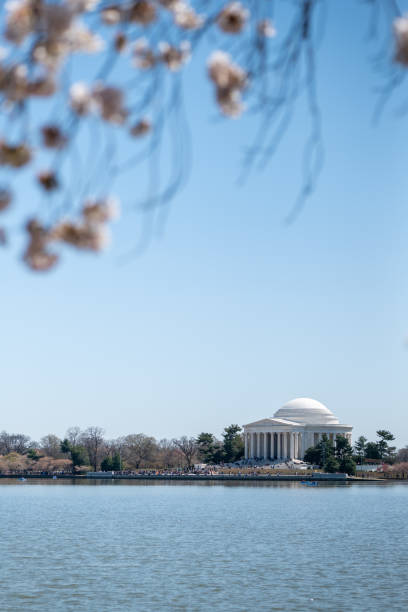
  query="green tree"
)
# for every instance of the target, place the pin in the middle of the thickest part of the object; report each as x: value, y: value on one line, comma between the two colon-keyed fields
x: 111, y: 463
x: 206, y: 444
x: 313, y: 455
x: 233, y: 445
x: 360, y: 447
x: 116, y: 462
x: 372, y: 451
x: 210, y: 449
x: 219, y: 454
x: 383, y: 447
x: 331, y: 465
x: 106, y: 464
x: 347, y: 465
x: 344, y: 455
x: 326, y: 449
x: 343, y: 448
x: 77, y: 453
x: 319, y: 454
x: 33, y: 455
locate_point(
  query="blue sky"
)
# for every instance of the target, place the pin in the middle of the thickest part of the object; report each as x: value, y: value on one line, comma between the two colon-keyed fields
x: 231, y: 313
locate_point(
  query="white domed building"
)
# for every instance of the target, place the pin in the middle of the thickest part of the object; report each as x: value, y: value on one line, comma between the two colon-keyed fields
x: 295, y: 427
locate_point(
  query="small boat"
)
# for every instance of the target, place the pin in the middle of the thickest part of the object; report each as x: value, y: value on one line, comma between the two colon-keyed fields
x: 309, y: 483
x: 22, y: 479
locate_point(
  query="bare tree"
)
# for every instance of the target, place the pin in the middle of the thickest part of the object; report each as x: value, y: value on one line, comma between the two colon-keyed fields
x: 73, y: 435
x: 14, y: 443
x: 188, y: 447
x: 139, y: 450
x: 168, y: 454
x: 51, y: 445
x: 93, y: 441
x: 402, y: 455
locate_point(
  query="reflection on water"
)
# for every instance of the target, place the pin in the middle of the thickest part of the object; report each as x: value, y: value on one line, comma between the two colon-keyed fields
x: 178, y: 483
x: 126, y: 545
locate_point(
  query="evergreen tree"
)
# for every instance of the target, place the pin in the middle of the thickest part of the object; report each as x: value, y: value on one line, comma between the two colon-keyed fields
x: 347, y: 465
x: 343, y: 448
x: 344, y: 455
x: 233, y: 445
x: 360, y: 447
x: 207, y: 446
x: 77, y: 453
x: 384, y: 449
x: 331, y: 465
x: 32, y: 454
x: 372, y: 451
x: 319, y: 454
x: 313, y: 455
x: 116, y: 462
x: 106, y: 464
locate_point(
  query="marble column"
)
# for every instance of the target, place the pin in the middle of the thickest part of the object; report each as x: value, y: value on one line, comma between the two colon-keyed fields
x: 253, y: 445
x: 258, y: 445
x: 278, y: 444
x: 265, y: 451
x: 272, y: 445
x: 285, y: 445
x: 246, y: 446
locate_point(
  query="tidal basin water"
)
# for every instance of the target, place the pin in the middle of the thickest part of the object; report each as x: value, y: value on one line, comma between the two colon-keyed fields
x: 118, y: 546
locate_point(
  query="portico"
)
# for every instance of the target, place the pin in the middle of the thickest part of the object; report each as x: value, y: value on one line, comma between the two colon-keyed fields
x: 294, y: 428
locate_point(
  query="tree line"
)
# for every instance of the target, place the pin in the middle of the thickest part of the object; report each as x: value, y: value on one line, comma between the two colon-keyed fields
x: 88, y: 449
x: 342, y: 457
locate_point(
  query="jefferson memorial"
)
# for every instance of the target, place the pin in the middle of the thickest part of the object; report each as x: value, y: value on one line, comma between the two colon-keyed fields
x: 295, y: 427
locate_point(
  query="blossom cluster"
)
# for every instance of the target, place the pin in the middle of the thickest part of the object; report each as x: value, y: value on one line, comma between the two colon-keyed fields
x: 90, y: 233
x: 43, y: 41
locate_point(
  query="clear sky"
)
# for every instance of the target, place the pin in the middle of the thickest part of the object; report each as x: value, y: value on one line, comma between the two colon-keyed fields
x: 231, y: 313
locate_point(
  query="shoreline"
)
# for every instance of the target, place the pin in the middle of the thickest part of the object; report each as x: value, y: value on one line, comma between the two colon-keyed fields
x: 334, y: 478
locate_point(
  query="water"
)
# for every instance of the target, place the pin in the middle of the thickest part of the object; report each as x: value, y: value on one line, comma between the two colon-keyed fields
x: 115, y: 546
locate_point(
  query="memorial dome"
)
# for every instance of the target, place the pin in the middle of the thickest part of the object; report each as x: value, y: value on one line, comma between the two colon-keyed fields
x: 306, y: 411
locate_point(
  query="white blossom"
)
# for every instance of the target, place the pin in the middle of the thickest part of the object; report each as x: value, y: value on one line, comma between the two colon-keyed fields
x: 19, y: 20
x: 83, y: 235
x: 80, y: 98
x: 229, y: 80
x: 101, y: 211
x: 266, y: 28
x: 186, y: 18
x: 144, y: 57
x: 174, y: 57
x: 401, y: 40
x: 82, y: 6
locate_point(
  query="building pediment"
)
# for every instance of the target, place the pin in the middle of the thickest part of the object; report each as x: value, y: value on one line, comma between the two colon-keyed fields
x: 271, y: 422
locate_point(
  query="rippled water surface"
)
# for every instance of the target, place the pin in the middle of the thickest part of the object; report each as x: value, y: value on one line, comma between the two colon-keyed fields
x: 114, y: 546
